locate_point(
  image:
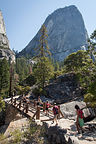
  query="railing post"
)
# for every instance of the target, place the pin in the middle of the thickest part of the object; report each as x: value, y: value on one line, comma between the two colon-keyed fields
x: 26, y: 108
x: 11, y: 100
x: 15, y: 101
x: 38, y: 113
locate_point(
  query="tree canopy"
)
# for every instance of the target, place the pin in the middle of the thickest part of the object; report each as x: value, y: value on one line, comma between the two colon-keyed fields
x: 4, y: 77
x: 44, y: 68
x: 82, y: 65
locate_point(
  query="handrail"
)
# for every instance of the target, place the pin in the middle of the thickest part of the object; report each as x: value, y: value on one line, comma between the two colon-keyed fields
x: 25, y: 107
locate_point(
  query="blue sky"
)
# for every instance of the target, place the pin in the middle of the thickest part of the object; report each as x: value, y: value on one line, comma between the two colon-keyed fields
x: 23, y: 18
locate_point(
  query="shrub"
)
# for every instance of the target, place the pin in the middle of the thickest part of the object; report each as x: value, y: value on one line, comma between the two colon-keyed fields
x: 2, y: 137
x: 90, y: 99
x: 30, y: 80
x: 17, y: 135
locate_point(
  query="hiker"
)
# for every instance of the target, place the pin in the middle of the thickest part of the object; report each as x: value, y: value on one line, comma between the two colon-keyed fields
x: 55, y: 112
x: 47, y: 106
x: 79, y: 120
x: 39, y: 101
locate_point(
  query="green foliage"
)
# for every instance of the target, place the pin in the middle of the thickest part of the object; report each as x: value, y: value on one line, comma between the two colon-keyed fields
x: 17, y: 136
x: 22, y: 90
x: 92, y: 45
x: 39, y: 91
x: 2, y: 104
x: 82, y: 65
x: 56, y: 66
x: 90, y: 97
x: 2, y: 137
x: 35, y: 132
x: 76, y: 61
x: 43, y: 70
x: 26, y: 90
x: 92, y: 88
x: 43, y: 49
x: 4, y: 82
x: 42, y: 131
x: 12, y: 82
x: 58, y: 69
x: 30, y: 80
x: 22, y: 68
x: 56, y: 74
x: 4, y: 77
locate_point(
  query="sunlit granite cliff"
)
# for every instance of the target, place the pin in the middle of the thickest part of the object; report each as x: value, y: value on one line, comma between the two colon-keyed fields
x: 5, y: 51
x: 66, y: 33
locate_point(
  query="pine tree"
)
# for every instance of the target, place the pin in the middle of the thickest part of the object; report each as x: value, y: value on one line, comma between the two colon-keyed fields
x: 11, y: 86
x: 4, y: 77
x: 44, y: 68
x: 2, y: 104
x: 44, y: 71
x: 81, y: 64
x: 22, y: 68
x: 92, y: 45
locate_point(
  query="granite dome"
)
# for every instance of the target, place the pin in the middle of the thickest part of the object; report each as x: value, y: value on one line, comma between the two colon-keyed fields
x: 66, y: 33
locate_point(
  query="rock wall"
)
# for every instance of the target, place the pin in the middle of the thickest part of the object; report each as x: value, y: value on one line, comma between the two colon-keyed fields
x: 65, y: 88
x: 3, y: 38
x: 5, y: 51
x: 66, y: 33
x: 8, y: 54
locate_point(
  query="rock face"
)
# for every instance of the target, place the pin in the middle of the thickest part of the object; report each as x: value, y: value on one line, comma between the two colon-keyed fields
x: 68, y: 110
x: 66, y: 33
x: 56, y: 135
x: 3, y: 38
x: 8, y: 54
x: 65, y: 88
x: 5, y: 51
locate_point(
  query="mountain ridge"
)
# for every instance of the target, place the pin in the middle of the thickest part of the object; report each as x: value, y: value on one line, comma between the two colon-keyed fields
x: 66, y: 33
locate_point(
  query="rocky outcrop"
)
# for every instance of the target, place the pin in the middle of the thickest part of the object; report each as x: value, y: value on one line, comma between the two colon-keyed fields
x: 63, y: 135
x: 8, y: 54
x: 68, y: 110
x: 65, y: 88
x: 4, y: 43
x: 56, y: 135
x: 66, y: 33
x: 5, y: 51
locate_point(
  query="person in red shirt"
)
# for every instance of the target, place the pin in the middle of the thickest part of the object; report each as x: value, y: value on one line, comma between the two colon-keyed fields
x: 47, y: 107
x: 79, y: 120
x: 55, y: 112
